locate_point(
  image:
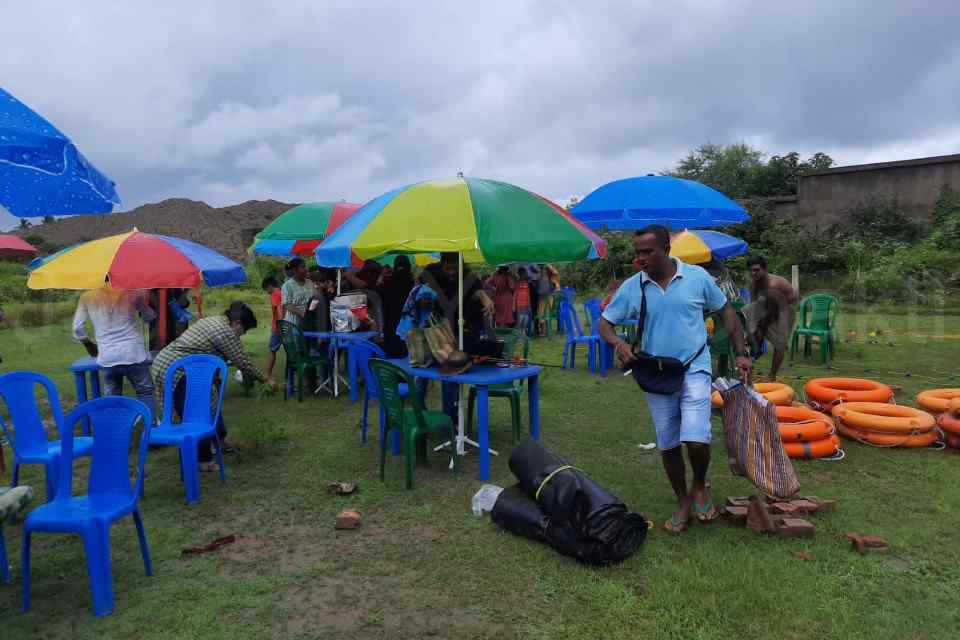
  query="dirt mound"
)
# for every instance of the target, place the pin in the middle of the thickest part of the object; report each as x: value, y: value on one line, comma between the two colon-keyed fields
x: 229, y: 229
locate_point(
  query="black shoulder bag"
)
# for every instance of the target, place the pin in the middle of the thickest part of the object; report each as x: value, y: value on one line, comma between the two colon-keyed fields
x: 657, y: 374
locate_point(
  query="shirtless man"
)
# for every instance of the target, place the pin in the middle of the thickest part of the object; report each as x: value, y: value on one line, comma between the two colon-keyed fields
x: 772, y: 313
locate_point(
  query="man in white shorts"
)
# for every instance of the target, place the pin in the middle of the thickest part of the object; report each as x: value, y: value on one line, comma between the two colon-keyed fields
x: 677, y: 297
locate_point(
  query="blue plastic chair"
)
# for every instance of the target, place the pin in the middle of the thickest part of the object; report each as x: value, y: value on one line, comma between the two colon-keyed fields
x: 363, y: 352
x: 109, y: 496
x: 566, y: 294
x: 197, y: 422
x: 26, y: 433
x: 592, y: 309
x: 575, y: 337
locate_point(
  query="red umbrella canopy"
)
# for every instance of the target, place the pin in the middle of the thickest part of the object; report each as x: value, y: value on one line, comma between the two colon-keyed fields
x: 15, y: 247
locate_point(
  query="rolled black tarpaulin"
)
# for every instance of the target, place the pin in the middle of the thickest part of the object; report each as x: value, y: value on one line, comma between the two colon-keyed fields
x: 577, y: 516
x: 516, y: 512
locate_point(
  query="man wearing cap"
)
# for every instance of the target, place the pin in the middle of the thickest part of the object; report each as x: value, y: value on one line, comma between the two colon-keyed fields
x: 218, y: 336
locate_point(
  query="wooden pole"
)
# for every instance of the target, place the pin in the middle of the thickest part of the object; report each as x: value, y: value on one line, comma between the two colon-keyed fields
x: 795, y: 278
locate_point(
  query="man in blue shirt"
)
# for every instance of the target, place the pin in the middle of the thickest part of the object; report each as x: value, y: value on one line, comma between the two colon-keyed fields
x: 678, y: 295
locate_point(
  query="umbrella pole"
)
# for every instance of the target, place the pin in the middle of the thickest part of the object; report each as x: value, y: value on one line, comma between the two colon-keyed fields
x: 336, y: 354
x: 162, y: 318
x: 461, y: 432
x: 199, y: 299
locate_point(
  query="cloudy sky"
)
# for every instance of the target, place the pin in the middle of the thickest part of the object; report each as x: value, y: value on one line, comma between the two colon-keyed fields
x: 304, y: 100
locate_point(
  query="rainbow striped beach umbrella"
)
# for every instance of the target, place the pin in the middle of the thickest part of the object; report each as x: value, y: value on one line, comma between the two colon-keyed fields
x: 486, y: 221
x: 135, y: 260
x: 299, y: 231
x: 697, y: 247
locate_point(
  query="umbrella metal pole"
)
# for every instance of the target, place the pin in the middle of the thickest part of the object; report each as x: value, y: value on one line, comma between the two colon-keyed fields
x: 162, y: 318
x: 461, y: 440
x: 336, y: 353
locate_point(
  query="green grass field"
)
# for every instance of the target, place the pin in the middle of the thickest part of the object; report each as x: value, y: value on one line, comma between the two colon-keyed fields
x: 423, y: 566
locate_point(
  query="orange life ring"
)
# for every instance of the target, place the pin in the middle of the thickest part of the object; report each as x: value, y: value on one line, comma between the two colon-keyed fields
x: 908, y: 441
x: 940, y: 400
x: 826, y: 391
x: 885, y: 418
x: 809, y: 450
x: 949, y: 423
x: 952, y: 440
x: 776, y: 392
x: 799, y: 424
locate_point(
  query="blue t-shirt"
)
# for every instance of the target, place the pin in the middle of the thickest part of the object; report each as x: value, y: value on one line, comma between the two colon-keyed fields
x: 674, y: 326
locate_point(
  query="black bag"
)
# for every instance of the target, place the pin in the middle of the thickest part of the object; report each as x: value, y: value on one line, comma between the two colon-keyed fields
x: 657, y: 374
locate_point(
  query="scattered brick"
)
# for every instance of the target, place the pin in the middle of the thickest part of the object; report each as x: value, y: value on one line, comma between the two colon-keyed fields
x: 758, y: 517
x: 797, y: 528
x: 735, y: 514
x: 785, y: 508
x: 868, y: 544
x: 347, y: 519
x: 739, y: 501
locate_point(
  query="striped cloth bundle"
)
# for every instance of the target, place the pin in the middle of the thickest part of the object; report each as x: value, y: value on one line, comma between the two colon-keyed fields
x: 754, y: 447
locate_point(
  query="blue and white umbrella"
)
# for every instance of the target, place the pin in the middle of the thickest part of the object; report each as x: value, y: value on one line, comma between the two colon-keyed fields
x: 42, y: 173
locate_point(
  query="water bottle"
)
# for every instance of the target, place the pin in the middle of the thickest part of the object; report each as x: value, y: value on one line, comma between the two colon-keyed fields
x: 484, y: 499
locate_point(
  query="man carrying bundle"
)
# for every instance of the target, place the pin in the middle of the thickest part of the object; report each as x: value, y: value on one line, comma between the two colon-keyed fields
x: 672, y: 361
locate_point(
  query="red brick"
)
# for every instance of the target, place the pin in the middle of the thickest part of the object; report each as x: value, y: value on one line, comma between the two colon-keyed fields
x: 347, y: 519
x: 736, y: 515
x: 797, y: 528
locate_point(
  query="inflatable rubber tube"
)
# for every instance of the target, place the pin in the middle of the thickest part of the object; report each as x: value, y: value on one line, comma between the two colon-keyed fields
x: 810, y: 450
x: 885, y: 418
x: 949, y: 423
x: 890, y: 439
x: 826, y: 391
x: 776, y: 392
x: 939, y: 400
x: 799, y: 424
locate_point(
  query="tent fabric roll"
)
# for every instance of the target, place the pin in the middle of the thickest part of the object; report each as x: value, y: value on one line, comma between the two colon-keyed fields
x: 558, y: 504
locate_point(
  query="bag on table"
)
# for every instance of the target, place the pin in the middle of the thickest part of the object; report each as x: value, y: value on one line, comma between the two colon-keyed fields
x: 441, y: 339
x: 754, y: 447
x: 418, y: 348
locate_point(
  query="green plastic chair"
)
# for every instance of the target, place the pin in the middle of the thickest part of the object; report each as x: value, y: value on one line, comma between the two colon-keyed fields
x: 721, y: 346
x: 414, y: 424
x: 298, y: 357
x: 818, y: 316
x: 513, y: 391
x: 551, y: 313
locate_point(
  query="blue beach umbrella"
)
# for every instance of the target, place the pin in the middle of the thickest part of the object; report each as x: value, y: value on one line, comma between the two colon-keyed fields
x: 41, y: 171
x: 633, y: 203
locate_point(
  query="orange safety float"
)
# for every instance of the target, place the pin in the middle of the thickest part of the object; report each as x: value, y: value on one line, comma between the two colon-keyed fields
x: 824, y: 448
x: 800, y: 424
x: 906, y: 440
x: 828, y: 391
x: 950, y: 423
x: 775, y: 392
x: 940, y: 400
x: 884, y: 418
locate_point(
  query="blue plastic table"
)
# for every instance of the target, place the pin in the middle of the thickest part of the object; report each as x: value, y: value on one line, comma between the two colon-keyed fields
x: 80, y: 368
x: 482, y: 377
x: 337, y: 340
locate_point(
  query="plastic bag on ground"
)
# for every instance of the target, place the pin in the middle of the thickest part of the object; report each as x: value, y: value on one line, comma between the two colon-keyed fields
x: 484, y: 499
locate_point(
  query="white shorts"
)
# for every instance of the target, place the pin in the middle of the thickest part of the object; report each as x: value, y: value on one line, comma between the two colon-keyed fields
x: 683, y: 416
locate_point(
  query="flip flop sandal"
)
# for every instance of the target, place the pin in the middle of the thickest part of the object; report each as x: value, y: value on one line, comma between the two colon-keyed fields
x: 676, y: 526
x: 703, y: 511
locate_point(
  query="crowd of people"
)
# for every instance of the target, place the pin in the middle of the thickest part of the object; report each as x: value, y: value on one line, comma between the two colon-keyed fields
x: 674, y: 304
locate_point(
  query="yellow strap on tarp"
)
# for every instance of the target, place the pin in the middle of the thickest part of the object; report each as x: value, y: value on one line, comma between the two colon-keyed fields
x: 565, y: 467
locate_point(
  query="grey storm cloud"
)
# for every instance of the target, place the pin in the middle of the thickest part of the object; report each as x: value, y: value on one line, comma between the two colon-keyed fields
x: 308, y: 100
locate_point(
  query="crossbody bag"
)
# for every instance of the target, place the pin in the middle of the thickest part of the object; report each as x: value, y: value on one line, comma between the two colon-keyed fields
x: 657, y: 374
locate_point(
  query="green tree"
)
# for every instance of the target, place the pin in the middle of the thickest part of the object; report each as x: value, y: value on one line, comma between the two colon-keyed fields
x: 25, y: 224
x: 740, y: 171
x: 48, y: 219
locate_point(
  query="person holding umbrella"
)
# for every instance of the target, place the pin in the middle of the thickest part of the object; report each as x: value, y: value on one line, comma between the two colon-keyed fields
x: 674, y: 297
